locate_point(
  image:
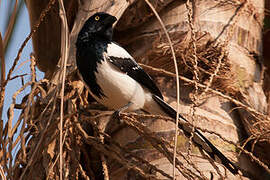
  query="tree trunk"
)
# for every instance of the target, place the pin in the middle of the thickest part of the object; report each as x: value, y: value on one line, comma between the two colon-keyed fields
x: 218, y: 46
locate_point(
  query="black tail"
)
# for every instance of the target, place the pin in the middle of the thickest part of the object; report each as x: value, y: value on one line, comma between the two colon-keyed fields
x: 201, y: 141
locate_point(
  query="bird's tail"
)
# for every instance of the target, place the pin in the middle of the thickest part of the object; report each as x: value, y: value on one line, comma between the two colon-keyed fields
x: 200, y: 140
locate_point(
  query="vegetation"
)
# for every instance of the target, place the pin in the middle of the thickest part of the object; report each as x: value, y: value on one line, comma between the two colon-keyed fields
x: 224, y: 91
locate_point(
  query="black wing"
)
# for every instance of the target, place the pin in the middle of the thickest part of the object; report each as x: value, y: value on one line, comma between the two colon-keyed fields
x: 131, y: 68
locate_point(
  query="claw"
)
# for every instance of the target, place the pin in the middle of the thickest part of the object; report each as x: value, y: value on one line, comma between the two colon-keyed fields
x: 116, y: 114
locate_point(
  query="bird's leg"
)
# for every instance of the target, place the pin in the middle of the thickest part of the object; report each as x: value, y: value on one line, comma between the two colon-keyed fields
x: 115, y: 122
x: 116, y: 113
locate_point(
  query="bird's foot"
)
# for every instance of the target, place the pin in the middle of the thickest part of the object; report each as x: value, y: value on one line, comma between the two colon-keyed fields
x: 116, y: 116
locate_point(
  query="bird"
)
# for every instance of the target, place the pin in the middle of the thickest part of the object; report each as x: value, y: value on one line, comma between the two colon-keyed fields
x: 115, y: 80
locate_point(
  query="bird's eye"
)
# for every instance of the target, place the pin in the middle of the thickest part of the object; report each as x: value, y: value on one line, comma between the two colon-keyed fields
x: 97, y: 18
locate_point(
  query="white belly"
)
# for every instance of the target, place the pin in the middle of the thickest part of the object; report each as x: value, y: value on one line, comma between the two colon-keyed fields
x: 119, y: 88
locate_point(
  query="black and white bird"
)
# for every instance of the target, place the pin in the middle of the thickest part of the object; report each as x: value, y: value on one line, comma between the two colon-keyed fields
x: 115, y: 80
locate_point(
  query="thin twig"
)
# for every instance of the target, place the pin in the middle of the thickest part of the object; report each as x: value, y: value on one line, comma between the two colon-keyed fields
x: 23, y: 63
x: 2, y: 93
x: 2, y: 80
x: 64, y: 57
x: 195, y: 67
x: 177, y: 81
x: 10, y: 25
x: 102, y: 157
x: 18, y: 76
x: 2, y: 173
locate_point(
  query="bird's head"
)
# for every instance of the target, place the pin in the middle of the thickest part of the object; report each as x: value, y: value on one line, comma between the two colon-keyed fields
x: 100, y: 25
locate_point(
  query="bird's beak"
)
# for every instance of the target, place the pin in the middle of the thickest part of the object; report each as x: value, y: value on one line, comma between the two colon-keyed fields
x: 110, y: 20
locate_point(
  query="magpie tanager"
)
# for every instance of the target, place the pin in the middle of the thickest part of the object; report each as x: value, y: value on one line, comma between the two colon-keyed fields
x: 115, y: 80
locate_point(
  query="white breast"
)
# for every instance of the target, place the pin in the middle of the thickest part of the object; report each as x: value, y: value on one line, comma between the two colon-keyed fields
x: 117, y: 51
x: 118, y: 87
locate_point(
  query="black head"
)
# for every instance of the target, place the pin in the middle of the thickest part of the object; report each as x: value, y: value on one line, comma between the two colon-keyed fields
x: 98, y: 25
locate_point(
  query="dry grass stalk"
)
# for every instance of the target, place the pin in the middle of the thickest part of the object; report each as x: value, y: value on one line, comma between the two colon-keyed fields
x: 2, y: 173
x: 42, y: 15
x: 194, y: 64
x: 177, y: 81
x: 2, y: 80
x: 64, y: 57
x: 10, y: 25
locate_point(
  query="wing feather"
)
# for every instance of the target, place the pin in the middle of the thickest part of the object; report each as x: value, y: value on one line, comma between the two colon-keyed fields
x: 120, y: 58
